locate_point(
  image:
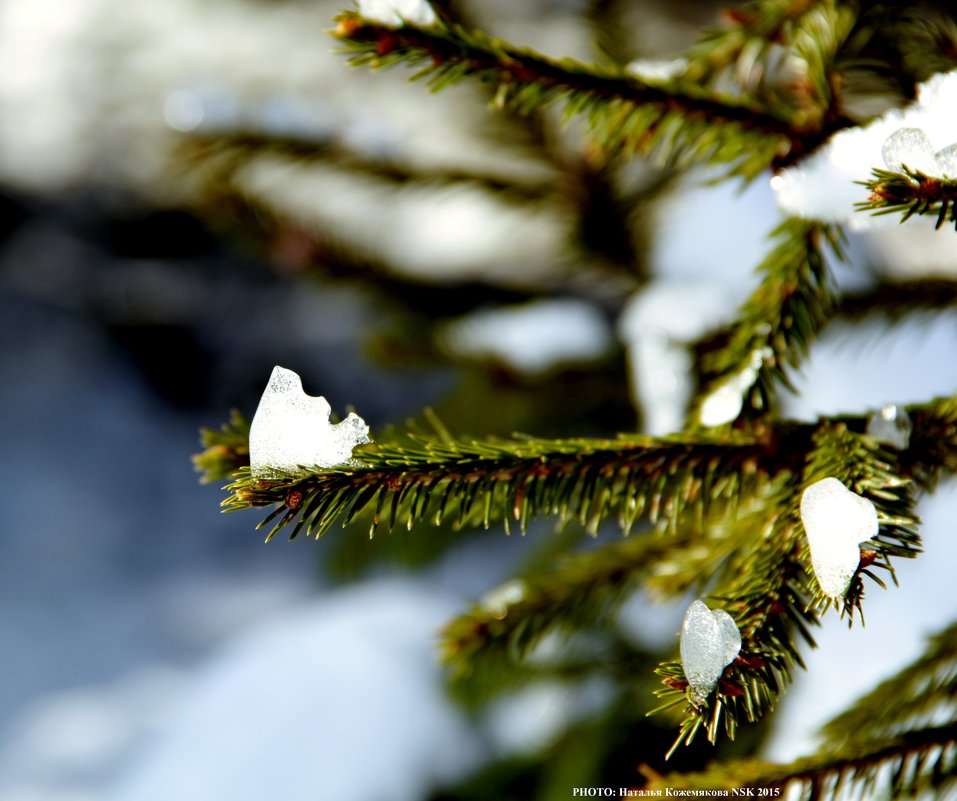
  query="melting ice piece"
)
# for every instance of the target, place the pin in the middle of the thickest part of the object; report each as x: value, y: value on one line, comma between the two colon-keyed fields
x: 947, y: 161
x: 395, y: 13
x: 836, y: 522
x: 890, y: 425
x: 291, y: 428
x: 909, y: 146
x: 709, y: 642
x: 724, y: 403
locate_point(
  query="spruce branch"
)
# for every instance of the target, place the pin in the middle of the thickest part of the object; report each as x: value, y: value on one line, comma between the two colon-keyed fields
x: 750, y: 26
x: 923, y: 694
x: 768, y: 602
x: 899, y: 738
x: 675, y: 478
x: 904, y: 42
x: 626, y: 114
x: 234, y: 149
x: 473, y: 483
x: 584, y: 589
x: 762, y: 580
x: 581, y: 590
x: 773, y: 598
x: 911, y: 192
x: 777, y: 323
x: 782, y: 53
x: 873, y: 472
x: 897, y: 299
x: 933, y: 445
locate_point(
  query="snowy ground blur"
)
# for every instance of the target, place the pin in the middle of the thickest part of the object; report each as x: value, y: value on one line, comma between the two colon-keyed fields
x: 154, y: 648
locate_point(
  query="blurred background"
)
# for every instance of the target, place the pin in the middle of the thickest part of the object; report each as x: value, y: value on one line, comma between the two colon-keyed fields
x: 194, y: 191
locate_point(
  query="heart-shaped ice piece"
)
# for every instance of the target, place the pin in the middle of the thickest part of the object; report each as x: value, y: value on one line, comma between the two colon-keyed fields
x: 910, y: 147
x: 709, y: 642
x: 836, y: 522
x: 291, y: 428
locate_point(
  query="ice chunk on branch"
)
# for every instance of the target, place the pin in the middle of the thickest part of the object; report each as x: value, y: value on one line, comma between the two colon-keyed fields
x: 836, y: 521
x: 292, y: 429
x: 395, y: 13
x: 710, y: 641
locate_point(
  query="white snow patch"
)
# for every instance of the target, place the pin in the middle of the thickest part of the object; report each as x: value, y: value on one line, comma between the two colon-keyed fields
x: 909, y: 147
x: 72, y: 741
x: 534, y: 337
x: 657, y: 325
x: 867, y: 365
x: 701, y: 281
x: 434, y: 232
x: 343, y: 699
x: 526, y: 721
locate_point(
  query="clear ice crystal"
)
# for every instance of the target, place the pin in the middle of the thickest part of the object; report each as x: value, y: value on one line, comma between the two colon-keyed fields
x: 836, y: 522
x: 910, y: 147
x: 890, y: 425
x: 292, y: 429
x: 947, y: 161
x: 395, y: 13
x: 710, y: 641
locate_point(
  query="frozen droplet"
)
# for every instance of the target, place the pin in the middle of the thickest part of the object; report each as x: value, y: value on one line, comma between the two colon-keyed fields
x: 947, y: 161
x: 836, y: 522
x: 395, y: 13
x: 291, y: 429
x: 910, y: 147
x: 709, y: 642
x: 890, y: 425
x: 497, y: 601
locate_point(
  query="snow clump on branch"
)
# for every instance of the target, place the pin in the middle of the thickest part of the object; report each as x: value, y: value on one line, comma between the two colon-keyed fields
x: 396, y: 13
x: 291, y: 430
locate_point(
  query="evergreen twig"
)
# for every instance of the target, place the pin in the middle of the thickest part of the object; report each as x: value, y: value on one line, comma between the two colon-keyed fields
x: 901, y: 737
x: 772, y: 597
x: 626, y: 114
x: 477, y: 482
x: 897, y: 299
x: 782, y: 317
x: 911, y: 193
x: 225, y: 450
